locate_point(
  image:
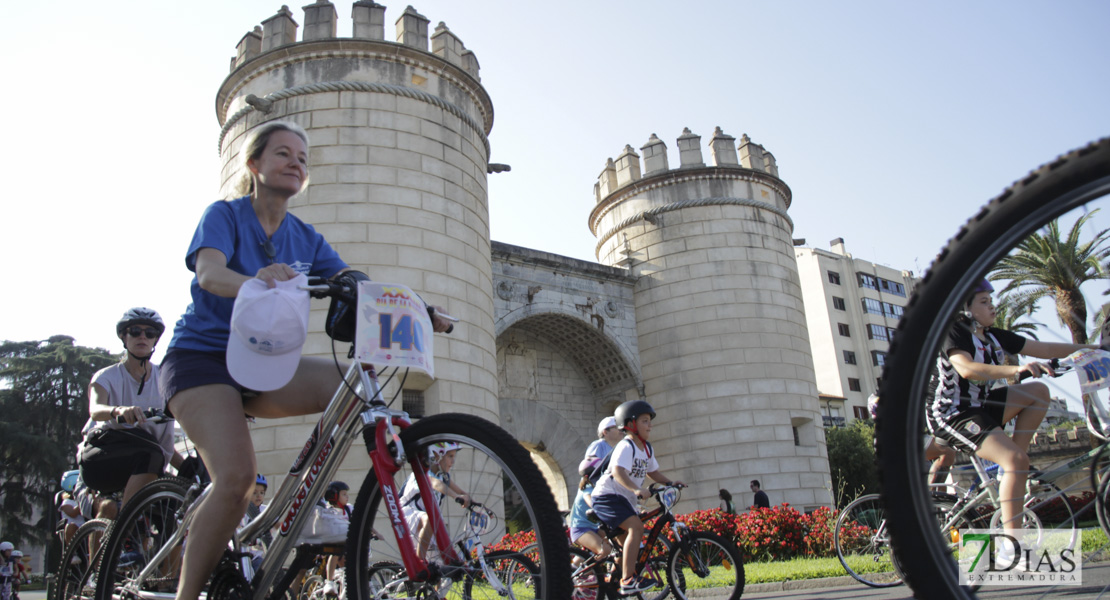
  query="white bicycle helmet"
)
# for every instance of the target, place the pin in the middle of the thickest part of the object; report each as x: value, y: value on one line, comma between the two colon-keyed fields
x: 6, y: 546
x: 17, y: 554
x: 438, y: 451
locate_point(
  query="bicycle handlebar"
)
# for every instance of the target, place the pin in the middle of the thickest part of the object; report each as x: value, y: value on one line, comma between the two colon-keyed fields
x: 1057, y: 370
x: 321, y: 287
x: 154, y: 415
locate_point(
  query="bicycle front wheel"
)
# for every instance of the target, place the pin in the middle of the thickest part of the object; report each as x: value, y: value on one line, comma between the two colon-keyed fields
x: 79, y: 562
x: 705, y: 560
x: 493, y: 469
x: 862, y: 541
x: 1017, y: 240
x: 144, y: 525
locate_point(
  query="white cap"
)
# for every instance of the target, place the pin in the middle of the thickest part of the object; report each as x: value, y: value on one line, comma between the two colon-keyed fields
x: 606, y: 423
x: 268, y: 329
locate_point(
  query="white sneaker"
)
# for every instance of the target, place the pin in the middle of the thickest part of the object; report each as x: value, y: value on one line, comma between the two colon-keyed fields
x: 329, y: 527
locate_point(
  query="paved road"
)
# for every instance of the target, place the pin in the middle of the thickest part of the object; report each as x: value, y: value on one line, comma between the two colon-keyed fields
x: 1096, y: 579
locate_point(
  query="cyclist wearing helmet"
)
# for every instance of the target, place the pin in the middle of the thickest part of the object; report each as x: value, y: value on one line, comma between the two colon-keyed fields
x: 116, y: 456
x: 7, y: 569
x: 441, y: 457
x: 973, y: 400
x: 254, y: 237
x: 618, y: 490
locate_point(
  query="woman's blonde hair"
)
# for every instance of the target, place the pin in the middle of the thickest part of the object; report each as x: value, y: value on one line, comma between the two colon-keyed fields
x: 256, y: 143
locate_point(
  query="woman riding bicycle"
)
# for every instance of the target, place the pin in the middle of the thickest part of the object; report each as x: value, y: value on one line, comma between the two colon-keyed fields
x: 116, y: 456
x: 972, y: 401
x: 236, y: 241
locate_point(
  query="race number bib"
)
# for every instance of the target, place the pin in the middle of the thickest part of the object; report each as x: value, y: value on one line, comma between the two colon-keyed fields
x: 393, y: 328
x: 1093, y: 368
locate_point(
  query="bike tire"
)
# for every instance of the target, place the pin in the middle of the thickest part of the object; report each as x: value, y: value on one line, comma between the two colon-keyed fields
x: 656, y: 568
x: 145, y: 522
x: 860, y: 535
x: 383, y: 573
x: 491, y: 467
x: 588, y: 580
x: 513, y: 570
x: 701, y: 555
x: 1070, y: 182
x: 79, y: 561
x: 312, y: 587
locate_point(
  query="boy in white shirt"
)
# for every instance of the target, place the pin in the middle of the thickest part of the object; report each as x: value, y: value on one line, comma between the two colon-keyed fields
x: 618, y: 490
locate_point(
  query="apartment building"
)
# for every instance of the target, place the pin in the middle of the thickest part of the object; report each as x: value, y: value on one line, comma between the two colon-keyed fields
x: 852, y: 309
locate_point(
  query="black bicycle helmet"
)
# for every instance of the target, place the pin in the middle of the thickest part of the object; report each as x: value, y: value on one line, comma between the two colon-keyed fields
x: 140, y: 316
x: 627, y: 412
x: 332, y: 493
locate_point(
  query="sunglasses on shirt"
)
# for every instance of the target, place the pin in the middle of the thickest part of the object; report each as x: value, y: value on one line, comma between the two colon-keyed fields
x: 150, y: 332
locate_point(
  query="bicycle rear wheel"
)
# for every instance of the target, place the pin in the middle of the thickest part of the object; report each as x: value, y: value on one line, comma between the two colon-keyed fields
x: 495, y: 470
x: 147, y: 521
x: 587, y: 577
x: 705, y: 560
x: 1055, y: 201
x: 862, y: 541
x: 79, y: 561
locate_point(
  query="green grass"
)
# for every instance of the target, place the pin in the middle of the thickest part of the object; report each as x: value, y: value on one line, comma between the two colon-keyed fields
x: 799, y: 568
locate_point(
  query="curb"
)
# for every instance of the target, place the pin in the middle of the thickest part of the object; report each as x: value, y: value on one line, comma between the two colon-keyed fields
x: 800, y: 584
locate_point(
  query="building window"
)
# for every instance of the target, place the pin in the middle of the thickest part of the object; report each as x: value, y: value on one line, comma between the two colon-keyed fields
x: 892, y: 287
x: 872, y: 306
x: 878, y: 358
x: 797, y: 438
x: 877, y: 332
x: 412, y: 402
x: 849, y: 357
x: 867, y: 281
x: 853, y: 384
x: 892, y: 310
x: 834, y: 278
x: 860, y: 412
x: 838, y: 303
x: 843, y: 329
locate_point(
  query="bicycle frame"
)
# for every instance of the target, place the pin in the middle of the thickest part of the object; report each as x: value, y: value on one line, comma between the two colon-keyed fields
x: 346, y: 416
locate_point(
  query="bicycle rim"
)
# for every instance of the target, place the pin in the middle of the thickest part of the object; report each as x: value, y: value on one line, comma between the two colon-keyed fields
x: 147, y: 522
x: 1070, y: 189
x: 506, y: 575
x: 79, y: 561
x: 862, y: 542
x: 587, y: 577
x: 496, y: 471
x: 706, y: 560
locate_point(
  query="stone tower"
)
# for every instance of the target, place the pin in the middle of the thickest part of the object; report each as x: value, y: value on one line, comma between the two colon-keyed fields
x: 397, y: 164
x: 722, y: 336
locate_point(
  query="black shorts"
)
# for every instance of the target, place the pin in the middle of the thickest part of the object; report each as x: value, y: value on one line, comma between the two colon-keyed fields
x: 111, y: 456
x: 967, y: 429
x: 183, y: 369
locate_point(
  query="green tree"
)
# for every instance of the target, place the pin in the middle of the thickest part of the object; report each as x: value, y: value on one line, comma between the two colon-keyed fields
x: 43, y: 405
x: 1006, y: 315
x: 1048, y: 265
x: 852, y: 460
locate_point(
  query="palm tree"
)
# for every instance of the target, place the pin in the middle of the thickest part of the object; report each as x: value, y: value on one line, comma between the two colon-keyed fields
x: 1006, y: 315
x: 1048, y: 265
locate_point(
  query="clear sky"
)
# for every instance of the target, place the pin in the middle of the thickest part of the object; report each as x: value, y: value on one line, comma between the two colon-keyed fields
x: 890, y: 121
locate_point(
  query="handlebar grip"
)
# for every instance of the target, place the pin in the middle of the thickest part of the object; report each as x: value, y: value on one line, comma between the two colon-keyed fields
x: 432, y: 316
x: 1054, y: 363
x: 473, y: 504
x: 150, y: 413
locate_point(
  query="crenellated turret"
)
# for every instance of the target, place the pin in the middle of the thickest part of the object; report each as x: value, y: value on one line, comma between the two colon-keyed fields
x: 721, y: 327
x: 368, y: 23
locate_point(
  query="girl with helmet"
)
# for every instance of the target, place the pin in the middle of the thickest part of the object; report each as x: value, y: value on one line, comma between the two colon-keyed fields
x: 973, y: 400
x: 441, y: 457
x: 120, y: 449
x: 620, y: 488
x: 7, y: 570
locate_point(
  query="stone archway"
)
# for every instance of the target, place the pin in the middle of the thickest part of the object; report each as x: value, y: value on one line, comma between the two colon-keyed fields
x: 554, y: 443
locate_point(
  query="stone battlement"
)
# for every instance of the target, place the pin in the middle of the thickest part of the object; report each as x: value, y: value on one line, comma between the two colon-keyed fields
x: 368, y: 18
x: 627, y: 168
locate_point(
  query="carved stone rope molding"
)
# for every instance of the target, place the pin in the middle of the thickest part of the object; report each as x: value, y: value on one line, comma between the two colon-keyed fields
x: 649, y: 215
x: 264, y: 104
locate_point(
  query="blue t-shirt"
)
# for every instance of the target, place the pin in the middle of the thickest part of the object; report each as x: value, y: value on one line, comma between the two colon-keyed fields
x: 578, y: 519
x: 599, y: 448
x: 232, y: 228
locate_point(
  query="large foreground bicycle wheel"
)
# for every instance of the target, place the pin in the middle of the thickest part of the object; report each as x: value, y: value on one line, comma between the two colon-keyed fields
x: 144, y: 525
x: 1031, y: 233
x: 79, y: 562
x: 705, y: 560
x: 862, y: 541
x: 495, y: 470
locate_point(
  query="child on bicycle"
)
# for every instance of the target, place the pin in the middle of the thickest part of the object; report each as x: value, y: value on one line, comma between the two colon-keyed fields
x: 583, y: 531
x: 617, y: 492
x: 441, y: 457
x: 972, y: 401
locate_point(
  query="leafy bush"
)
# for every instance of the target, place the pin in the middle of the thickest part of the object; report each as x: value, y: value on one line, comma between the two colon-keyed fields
x: 852, y: 460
